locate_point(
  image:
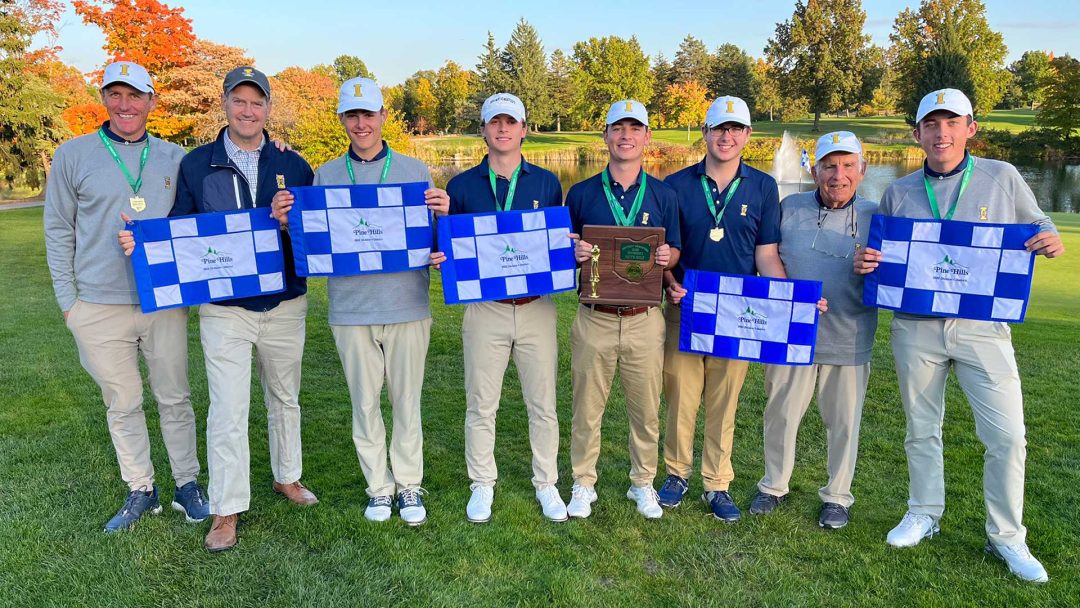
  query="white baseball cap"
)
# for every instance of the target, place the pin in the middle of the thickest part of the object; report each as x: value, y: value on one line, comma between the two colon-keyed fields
x: 727, y: 109
x: 837, y: 141
x: 950, y: 100
x: 627, y: 108
x: 359, y: 94
x: 502, y: 103
x: 131, y: 74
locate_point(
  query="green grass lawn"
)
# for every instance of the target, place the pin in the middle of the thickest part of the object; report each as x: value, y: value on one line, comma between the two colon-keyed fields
x: 60, y: 483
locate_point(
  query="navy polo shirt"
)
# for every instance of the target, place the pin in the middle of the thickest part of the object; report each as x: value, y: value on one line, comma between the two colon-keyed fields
x: 659, y: 207
x: 470, y: 190
x: 751, y: 219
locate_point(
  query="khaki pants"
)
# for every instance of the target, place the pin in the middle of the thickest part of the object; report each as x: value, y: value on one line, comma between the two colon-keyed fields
x: 688, y: 379
x: 396, y: 352
x: 109, y: 338
x: 228, y: 334
x: 840, y: 393
x: 599, y: 341
x: 491, y: 333
x: 981, y: 354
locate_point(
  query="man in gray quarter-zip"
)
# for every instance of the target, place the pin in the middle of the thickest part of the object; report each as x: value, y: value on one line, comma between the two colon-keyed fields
x: 819, y: 232
x: 243, y: 169
x: 96, y: 177
x: 381, y: 322
x: 953, y: 183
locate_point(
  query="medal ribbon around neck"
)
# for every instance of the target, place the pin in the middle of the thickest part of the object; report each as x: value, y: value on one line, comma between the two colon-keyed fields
x: 509, y: 193
x: 135, y: 183
x: 385, y: 166
x: 718, y: 215
x: 963, y: 186
x: 621, y: 217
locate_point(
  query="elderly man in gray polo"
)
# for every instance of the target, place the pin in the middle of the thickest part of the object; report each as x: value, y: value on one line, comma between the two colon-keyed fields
x: 820, y: 232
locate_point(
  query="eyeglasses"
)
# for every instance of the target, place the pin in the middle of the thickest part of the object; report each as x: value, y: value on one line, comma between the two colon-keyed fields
x: 836, y: 244
x: 719, y: 131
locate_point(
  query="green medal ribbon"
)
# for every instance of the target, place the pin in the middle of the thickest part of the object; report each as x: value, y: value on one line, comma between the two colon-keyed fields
x: 135, y: 183
x: 963, y: 186
x: 385, y: 166
x: 621, y: 217
x: 509, y: 193
x: 718, y: 215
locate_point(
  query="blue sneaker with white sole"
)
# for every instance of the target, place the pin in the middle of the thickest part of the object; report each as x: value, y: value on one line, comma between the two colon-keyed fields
x: 190, y: 499
x: 672, y: 491
x: 722, y: 505
x: 138, y: 503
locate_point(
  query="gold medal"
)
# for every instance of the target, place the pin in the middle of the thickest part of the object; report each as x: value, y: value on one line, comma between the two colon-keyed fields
x: 716, y: 234
x: 138, y: 203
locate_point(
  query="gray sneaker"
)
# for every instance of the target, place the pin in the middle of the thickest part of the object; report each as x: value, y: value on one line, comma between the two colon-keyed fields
x: 833, y: 516
x: 138, y: 502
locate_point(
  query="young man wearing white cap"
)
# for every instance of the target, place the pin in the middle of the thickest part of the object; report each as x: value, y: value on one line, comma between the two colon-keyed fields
x: 243, y: 169
x: 953, y: 184
x: 730, y: 218
x: 820, y: 232
x: 525, y: 328
x: 96, y: 177
x: 381, y: 322
x: 632, y: 338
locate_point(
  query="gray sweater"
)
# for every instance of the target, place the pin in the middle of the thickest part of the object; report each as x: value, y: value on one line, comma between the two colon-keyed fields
x: 846, y: 331
x: 383, y: 298
x: 84, y: 197
x: 995, y: 187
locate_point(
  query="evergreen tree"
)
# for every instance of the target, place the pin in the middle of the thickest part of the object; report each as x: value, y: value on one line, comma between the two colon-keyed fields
x: 663, y: 77
x: 561, y: 87
x: 692, y: 61
x: 525, y: 64
x: 732, y: 74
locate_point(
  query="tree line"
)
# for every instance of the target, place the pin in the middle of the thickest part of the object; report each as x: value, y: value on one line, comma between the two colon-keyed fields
x: 818, y: 62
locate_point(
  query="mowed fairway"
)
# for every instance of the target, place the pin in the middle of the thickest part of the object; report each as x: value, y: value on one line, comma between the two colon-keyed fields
x: 59, y: 483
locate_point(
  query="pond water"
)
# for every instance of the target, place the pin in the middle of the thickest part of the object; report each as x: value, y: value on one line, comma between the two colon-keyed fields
x: 1056, y: 185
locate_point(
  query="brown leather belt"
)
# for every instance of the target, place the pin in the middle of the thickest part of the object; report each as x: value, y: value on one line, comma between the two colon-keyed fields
x: 519, y: 301
x: 619, y: 311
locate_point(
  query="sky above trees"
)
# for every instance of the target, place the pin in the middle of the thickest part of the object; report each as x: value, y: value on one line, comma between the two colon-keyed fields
x: 283, y: 34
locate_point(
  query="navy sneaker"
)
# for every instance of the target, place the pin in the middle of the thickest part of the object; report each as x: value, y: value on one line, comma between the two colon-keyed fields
x: 137, y: 503
x: 833, y: 516
x: 671, y: 493
x: 722, y: 505
x: 191, y: 501
x: 763, y: 503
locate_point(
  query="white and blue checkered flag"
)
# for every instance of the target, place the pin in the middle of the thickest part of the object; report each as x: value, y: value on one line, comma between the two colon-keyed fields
x: 508, y: 254
x: 746, y: 317
x: 950, y: 268
x: 360, y: 229
x: 183, y: 261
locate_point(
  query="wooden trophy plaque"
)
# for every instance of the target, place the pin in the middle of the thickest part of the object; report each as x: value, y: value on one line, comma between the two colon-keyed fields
x: 623, y: 269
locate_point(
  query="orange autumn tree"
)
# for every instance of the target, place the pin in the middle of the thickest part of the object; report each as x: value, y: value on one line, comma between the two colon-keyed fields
x: 151, y: 34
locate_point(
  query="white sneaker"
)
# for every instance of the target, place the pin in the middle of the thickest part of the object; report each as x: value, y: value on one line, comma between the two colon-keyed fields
x: 648, y: 503
x: 478, y: 510
x: 411, y: 506
x: 552, y: 504
x: 1020, y: 561
x: 581, y: 499
x: 912, y: 529
x: 378, y: 508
